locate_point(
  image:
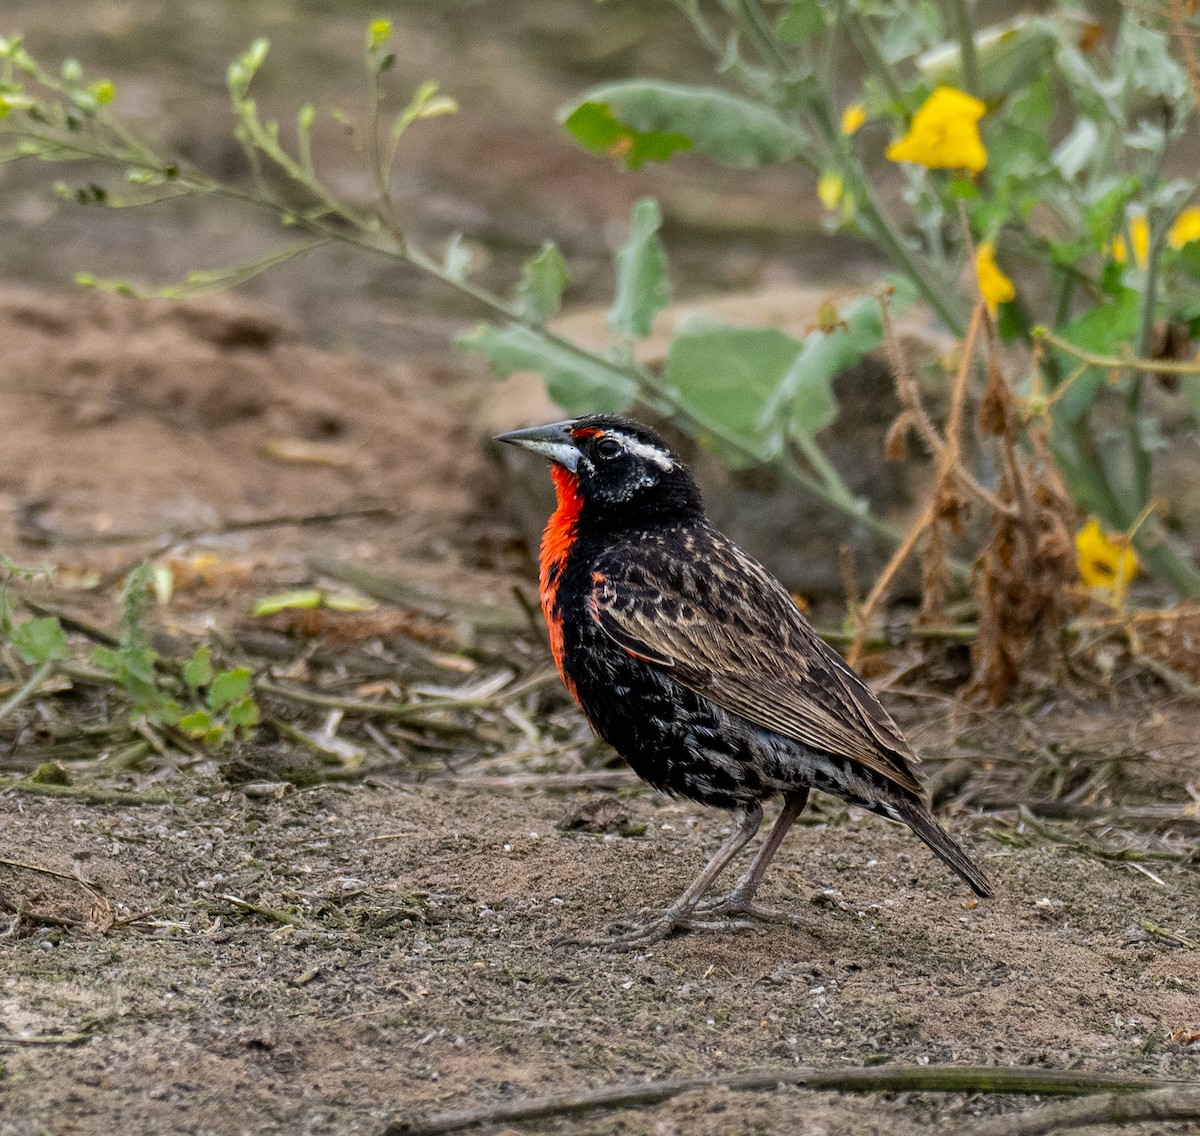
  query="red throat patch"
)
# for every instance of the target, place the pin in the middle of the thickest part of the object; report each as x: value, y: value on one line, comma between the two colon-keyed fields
x: 557, y: 539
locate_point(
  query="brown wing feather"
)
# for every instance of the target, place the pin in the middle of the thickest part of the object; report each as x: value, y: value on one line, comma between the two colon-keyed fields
x: 727, y: 630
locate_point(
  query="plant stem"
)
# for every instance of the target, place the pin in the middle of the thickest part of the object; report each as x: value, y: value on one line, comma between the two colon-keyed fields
x: 921, y: 276
x: 966, y: 46
x: 1139, y: 455
x: 27, y: 688
x: 759, y: 30
x: 1117, y: 362
x: 864, y: 39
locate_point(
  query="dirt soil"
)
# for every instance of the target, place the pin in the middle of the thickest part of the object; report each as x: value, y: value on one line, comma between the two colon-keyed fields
x: 335, y: 958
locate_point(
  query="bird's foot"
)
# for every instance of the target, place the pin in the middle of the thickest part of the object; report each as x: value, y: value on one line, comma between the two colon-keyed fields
x: 708, y: 918
x: 637, y: 937
x: 738, y: 907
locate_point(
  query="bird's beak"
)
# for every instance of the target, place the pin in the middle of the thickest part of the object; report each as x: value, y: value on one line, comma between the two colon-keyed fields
x: 553, y: 441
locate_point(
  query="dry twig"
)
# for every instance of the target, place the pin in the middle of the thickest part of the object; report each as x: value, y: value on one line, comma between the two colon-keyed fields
x: 1163, y: 1104
x: 943, y: 500
x: 84, y: 794
x: 881, y: 1078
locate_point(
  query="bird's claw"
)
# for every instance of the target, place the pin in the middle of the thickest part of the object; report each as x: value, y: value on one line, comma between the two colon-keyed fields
x: 716, y: 915
x: 645, y: 935
x: 751, y: 914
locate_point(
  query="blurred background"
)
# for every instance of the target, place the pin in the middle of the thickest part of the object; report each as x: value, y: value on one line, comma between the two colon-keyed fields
x: 331, y: 380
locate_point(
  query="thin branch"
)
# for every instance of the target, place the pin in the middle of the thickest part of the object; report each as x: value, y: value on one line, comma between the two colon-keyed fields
x: 271, y: 913
x: 966, y: 46
x: 46, y: 872
x: 47, y: 1039
x: 1157, y: 815
x: 1164, y: 1105
x: 894, y: 1079
x: 947, y: 464
x: 910, y: 398
x: 1117, y: 362
x: 549, y: 782
x: 84, y: 794
x: 884, y: 581
x: 411, y: 712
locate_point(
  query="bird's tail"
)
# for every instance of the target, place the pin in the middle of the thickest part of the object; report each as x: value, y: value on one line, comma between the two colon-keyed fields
x: 944, y: 846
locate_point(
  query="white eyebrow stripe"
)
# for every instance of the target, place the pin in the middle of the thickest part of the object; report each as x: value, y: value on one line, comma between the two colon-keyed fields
x: 647, y: 452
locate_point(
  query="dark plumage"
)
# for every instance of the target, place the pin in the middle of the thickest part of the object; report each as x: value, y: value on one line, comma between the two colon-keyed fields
x: 692, y: 661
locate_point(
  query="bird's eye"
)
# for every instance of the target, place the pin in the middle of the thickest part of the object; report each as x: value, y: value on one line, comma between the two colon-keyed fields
x: 607, y: 447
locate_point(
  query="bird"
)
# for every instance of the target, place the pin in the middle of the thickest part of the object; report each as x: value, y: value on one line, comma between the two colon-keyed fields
x: 696, y: 665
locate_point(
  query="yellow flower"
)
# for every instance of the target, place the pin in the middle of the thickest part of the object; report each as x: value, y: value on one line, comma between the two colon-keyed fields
x: 852, y: 118
x: 944, y: 134
x: 994, y: 286
x: 1186, y: 228
x: 1139, y: 231
x: 1105, y: 560
x: 830, y: 190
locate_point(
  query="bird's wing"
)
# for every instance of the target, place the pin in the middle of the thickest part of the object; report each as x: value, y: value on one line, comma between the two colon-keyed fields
x: 726, y: 629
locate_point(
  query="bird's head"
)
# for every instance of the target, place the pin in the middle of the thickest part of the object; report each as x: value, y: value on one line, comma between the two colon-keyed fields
x: 617, y: 468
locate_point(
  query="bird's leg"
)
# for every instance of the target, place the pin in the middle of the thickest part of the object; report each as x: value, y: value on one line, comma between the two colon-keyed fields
x: 678, y: 914
x: 740, y: 900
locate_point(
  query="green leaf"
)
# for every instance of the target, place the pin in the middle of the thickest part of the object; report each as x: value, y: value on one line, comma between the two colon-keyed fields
x: 105, y: 659
x: 643, y: 287
x: 1018, y: 139
x: 229, y: 687
x: 805, y: 393
x: 578, y: 382
x: 800, y: 21
x: 346, y: 601
x: 596, y: 128
x: 154, y: 704
x: 726, y: 378
x: 138, y: 663
x: 199, y: 670
x: 302, y: 598
x: 1105, y: 210
x: 641, y: 119
x: 40, y: 640
x: 197, y: 724
x: 1188, y: 259
x: 543, y: 280
x: 1144, y: 64
x: 245, y: 713
x: 1105, y: 330
x: 1078, y: 150
x: 911, y: 27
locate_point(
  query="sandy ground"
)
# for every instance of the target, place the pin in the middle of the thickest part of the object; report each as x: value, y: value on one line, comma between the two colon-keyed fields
x: 402, y: 959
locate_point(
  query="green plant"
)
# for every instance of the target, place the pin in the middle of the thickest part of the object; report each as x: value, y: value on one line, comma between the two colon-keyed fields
x: 207, y: 705
x: 1045, y: 142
